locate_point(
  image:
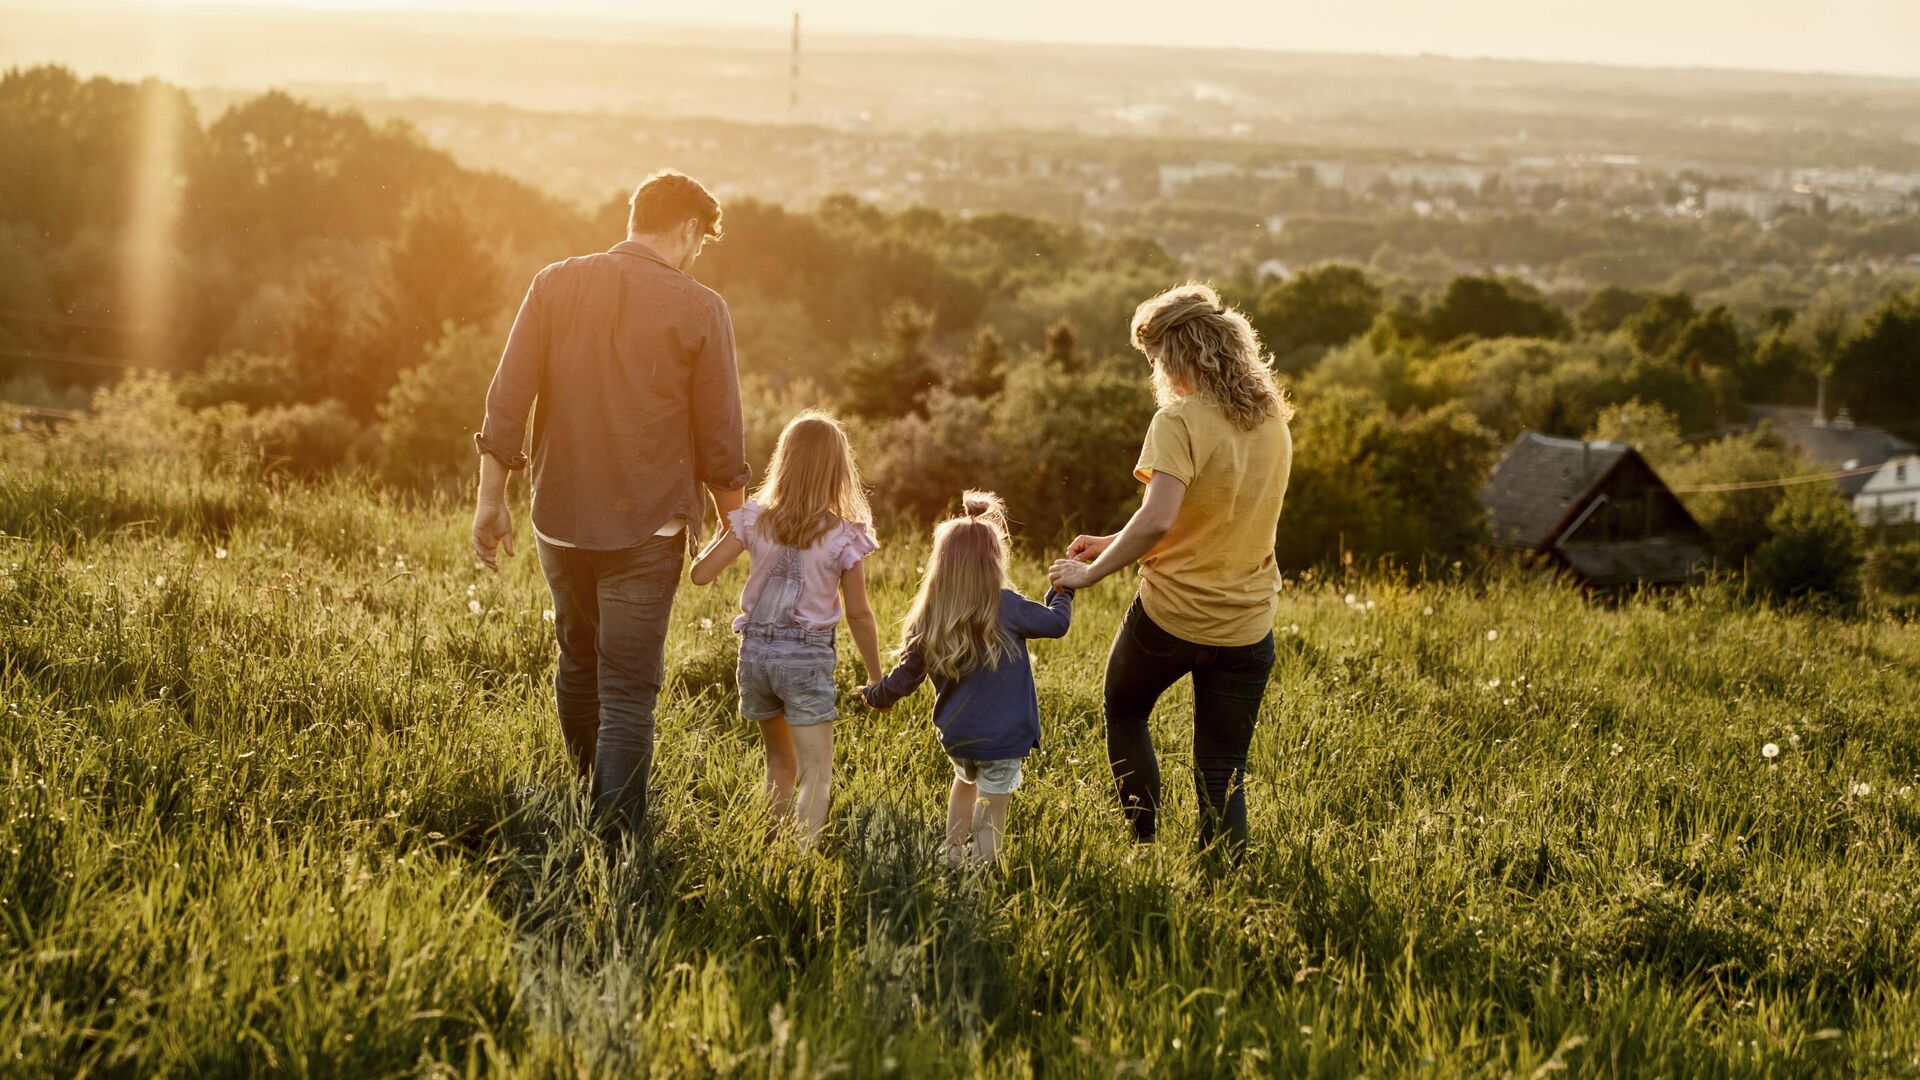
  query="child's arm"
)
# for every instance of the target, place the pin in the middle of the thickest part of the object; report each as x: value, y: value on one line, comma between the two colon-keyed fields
x: 719, y: 555
x: 860, y: 621
x: 1049, y: 620
x: 904, y: 679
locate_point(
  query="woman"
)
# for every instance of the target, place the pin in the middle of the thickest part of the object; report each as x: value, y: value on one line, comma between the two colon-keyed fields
x: 1215, y: 463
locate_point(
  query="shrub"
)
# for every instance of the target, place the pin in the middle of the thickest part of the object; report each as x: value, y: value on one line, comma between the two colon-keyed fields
x: 434, y: 408
x: 254, y: 380
x: 306, y: 439
x: 1894, y: 569
x: 1814, y: 549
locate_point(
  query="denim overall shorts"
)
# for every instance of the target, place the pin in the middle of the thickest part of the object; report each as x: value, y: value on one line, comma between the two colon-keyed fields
x: 785, y: 668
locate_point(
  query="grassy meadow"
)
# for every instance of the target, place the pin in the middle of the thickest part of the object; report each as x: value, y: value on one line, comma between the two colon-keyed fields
x: 284, y: 792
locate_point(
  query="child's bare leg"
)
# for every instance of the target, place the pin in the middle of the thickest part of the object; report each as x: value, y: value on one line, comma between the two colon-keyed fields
x: 990, y: 826
x: 959, y: 819
x: 781, y: 767
x: 813, y: 751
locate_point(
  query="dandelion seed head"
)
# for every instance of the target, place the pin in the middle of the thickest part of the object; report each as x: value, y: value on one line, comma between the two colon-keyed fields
x: 1862, y: 789
x: 1771, y: 750
x: 219, y: 553
x: 473, y: 606
x: 160, y: 581
x: 1428, y: 610
x: 1493, y: 635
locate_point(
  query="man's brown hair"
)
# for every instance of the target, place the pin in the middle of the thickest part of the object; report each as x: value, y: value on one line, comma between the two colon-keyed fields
x: 667, y: 198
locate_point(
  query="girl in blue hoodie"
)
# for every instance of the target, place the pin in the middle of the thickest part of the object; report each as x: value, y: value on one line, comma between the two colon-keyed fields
x: 968, y: 632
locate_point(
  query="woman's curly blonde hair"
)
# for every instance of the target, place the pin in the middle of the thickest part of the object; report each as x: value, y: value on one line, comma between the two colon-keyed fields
x: 1200, y: 346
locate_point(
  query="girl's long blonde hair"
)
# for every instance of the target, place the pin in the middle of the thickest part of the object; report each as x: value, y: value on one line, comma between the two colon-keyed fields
x: 1200, y: 346
x: 955, y: 620
x: 812, y: 484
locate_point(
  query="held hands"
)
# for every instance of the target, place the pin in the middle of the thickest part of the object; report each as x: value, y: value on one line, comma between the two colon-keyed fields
x: 867, y: 701
x: 1074, y: 571
x: 1070, y: 574
x: 492, y: 528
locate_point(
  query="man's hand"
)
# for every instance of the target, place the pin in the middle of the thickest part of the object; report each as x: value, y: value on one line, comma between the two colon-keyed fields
x: 1088, y: 548
x: 492, y: 528
x: 1071, y: 573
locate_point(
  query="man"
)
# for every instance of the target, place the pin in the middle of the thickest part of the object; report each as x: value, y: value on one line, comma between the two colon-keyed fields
x: 631, y: 362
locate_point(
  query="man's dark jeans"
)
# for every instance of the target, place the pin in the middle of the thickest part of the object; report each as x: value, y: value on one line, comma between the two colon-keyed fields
x: 1228, y: 683
x: 610, y: 613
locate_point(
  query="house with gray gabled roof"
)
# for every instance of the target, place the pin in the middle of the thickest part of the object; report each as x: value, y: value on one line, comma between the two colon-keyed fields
x: 1596, y: 508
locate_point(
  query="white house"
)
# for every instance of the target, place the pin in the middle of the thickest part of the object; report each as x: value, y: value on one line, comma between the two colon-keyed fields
x: 1891, y: 494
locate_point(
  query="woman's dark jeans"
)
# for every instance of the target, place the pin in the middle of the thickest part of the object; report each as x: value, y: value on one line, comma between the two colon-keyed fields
x: 1228, y: 684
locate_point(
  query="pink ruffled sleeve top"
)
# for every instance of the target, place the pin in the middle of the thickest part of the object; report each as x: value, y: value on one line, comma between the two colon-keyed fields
x: 821, y: 564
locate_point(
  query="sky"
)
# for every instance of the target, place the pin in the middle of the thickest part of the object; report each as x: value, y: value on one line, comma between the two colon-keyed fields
x: 1880, y: 37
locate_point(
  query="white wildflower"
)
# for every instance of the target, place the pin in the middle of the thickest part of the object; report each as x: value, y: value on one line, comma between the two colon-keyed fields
x: 1771, y: 750
x: 1862, y: 789
x: 219, y: 553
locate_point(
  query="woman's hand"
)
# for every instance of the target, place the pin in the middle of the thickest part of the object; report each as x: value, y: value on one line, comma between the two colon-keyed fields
x: 1088, y: 548
x: 1071, y: 574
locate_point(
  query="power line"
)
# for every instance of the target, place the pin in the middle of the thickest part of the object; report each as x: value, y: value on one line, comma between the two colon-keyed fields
x: 49, y: 356
x: 1754, y: 485
x: 77, y: 320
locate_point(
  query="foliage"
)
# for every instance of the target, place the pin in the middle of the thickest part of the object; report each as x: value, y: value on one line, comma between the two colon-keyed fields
x: 1490, y: 307
x: 1381, y: 487
x: 427, y: 423
x: 1814, y: 550
x: 894, y: 378
x: 1877, y: 371
x: 1894, y: 569
x: 254, y: 380
x: 1321, y: 306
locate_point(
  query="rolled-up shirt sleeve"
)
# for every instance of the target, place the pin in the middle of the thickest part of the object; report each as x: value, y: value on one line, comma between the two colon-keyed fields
x: 515, y: 383
x: 719, y: 435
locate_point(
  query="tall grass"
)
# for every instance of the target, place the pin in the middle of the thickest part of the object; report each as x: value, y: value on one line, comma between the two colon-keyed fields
x: 277, y: 799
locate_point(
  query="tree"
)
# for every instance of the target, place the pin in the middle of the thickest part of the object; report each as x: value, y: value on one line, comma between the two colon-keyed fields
x: 1608, y: 309
x: 427, y: 419
x: 1710, y: 340
x: 1877, y: 371
x: 894, y: 379
x: 1490, y: 307
x: 436, y: 275
x: 1814, y: 550
x: 981, y: 371
x: 1060, y: 345
x: 1316, y: 309
x: 1660, y: 323
x: 1650, y: 429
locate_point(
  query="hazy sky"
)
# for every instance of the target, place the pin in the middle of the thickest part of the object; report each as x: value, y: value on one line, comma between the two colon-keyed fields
x: 1867, y: 36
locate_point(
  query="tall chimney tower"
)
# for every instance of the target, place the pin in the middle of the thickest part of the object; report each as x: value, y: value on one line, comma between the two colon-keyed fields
x: 793, y: 78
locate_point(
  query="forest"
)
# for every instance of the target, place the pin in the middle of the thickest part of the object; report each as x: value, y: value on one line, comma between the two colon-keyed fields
x: 338, y: 290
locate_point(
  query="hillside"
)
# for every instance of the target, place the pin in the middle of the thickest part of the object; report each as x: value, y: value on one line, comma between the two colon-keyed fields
x: 286, y: 794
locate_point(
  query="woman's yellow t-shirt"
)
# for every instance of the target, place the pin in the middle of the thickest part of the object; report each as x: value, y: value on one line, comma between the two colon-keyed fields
x: 1212, y: 579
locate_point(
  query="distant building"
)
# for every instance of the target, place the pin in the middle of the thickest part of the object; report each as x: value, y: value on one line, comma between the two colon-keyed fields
x: 1760, y: 204
x: 1837, y: 445
x: 1595, y: 508
x: 1867, y: 202
x: 1891, y: 494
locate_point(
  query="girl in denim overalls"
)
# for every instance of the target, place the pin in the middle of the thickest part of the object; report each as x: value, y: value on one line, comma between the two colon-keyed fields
x: 807, y: 531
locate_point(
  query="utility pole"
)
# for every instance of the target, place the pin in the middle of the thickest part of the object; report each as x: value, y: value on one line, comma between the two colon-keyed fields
x: 793, y: 77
